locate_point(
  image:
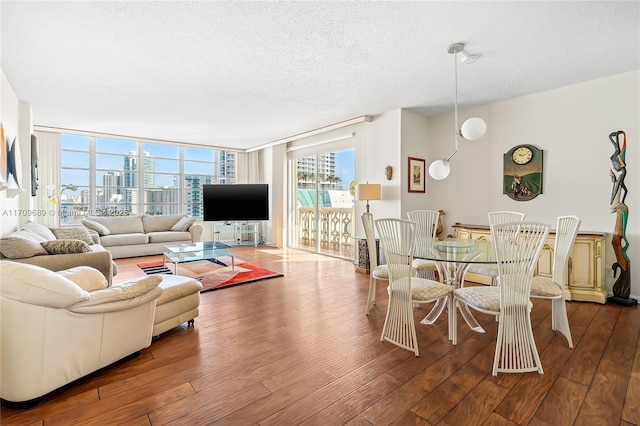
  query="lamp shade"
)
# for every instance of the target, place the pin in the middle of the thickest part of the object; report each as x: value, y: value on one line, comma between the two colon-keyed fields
x: 474, y: 128
x: 439, y: 169
x: 368, y: 191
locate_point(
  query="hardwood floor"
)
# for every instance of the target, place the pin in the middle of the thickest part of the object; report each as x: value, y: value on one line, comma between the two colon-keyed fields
x: 299, y: 350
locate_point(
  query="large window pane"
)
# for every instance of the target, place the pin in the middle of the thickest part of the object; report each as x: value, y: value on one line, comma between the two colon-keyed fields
x: 75, y: 142
x: 200, y: 168
x: 77, y: 177
x: 127, y: 177
x: 161, y: 150
x: 74, y: 159
x: 116, y: 146
x: 199, y: 154
x: 323, y: 220
x: 163, y: 166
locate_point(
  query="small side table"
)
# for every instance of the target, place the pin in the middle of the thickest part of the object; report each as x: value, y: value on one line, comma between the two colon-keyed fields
x: 364, y: 265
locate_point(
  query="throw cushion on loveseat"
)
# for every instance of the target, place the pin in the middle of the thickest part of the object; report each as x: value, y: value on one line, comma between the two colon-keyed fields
x: 66, y: 246
x: 16, y: 247
x: 95, y: 226
x: 183, y: 224
x: 73, y: 233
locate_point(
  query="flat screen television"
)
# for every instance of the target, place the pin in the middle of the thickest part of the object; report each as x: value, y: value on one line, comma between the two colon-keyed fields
x: 236, y: 202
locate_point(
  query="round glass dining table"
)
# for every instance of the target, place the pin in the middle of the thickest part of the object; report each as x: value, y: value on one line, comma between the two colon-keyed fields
x: 453, y: 257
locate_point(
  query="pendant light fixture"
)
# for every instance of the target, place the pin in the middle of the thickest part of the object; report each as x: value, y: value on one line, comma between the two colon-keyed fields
x: 472, y: 129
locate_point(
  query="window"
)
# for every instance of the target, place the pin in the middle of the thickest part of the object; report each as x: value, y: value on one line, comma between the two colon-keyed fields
x: 107, y: 177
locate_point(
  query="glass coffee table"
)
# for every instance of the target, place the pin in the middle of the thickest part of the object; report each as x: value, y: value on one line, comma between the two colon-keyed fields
x: 187, y: 252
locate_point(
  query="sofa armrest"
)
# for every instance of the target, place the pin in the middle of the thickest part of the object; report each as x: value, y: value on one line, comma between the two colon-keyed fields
x: 121, y: 297
x: 94, y: 236
x: 196, y: 232
x: 101, y: 260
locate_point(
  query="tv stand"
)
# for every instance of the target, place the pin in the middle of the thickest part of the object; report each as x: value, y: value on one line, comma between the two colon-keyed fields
x: 236, y: 233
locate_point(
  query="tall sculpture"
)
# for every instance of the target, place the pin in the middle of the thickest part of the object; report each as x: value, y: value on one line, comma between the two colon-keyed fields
x: 622, y: 266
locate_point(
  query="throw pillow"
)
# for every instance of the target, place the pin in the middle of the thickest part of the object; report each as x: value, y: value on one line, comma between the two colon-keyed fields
x: 85, y: 277
x: 98, y: 227
x: 39, y: 229
x: 66, y: 246
x: 73, y: 233
x: 15, y: 247
x: 183, y: 224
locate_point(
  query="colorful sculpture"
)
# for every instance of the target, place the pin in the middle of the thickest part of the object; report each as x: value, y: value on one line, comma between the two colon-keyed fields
x: 622, y: 266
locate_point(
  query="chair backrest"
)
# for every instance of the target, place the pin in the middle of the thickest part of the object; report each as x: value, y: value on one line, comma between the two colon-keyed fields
x: 517, y: 245
x: 504, y: 217
x: 566, y: 231
x: 370, y: 235
x: 397, y: 238
x: 426, y: 227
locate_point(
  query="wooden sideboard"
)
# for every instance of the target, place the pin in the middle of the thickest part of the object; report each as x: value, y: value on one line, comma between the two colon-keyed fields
x: 586, y: 280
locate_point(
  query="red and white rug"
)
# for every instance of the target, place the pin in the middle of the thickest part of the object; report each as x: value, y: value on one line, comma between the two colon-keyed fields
x: 214, y: 274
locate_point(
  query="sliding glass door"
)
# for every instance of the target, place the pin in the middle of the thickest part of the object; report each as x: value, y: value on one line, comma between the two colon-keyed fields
x: 322, y: 203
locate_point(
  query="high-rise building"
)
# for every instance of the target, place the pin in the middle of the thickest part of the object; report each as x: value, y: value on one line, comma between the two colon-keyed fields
x: 310, y: 171
x: 131, y: 170
x: 193, y: 193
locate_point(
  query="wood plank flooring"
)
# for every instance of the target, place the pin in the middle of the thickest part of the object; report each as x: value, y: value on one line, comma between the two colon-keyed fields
x: 299, y: 350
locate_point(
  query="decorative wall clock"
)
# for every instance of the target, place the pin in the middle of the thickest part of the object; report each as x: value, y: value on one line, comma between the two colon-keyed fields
x: 522, y: 175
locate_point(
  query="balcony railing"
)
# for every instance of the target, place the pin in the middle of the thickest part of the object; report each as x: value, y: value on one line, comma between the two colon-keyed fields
x: 335, y: 229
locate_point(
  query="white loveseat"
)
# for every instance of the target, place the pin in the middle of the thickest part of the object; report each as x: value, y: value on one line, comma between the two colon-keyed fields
x: 59, y: 326
x: 132, y: 236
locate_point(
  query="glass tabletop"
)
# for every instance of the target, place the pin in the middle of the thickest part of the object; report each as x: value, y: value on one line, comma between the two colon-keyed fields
x: 459, y: 251
x: 193, y: 251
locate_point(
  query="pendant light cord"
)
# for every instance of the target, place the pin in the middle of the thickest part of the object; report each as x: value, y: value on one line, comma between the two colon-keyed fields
x: 455, y: 124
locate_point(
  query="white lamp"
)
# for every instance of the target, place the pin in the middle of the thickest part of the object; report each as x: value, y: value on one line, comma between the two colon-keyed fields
x: 367, y: 192
x: 439, y: 169
x: 472, y: 129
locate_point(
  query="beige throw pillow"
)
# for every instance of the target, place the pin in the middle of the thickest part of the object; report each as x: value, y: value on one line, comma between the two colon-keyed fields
x: 85, y: 277
x: 40, y: 230
x: 73, y: 233
x: 95, y: 226
x: 16, y: 247
x: 66, y: 246
x: 183, y: 224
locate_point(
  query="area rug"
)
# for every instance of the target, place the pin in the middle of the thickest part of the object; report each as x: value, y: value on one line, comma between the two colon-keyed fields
x: 214, y: 274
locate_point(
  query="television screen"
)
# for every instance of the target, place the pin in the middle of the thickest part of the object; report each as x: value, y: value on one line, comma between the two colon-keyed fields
x: 235, y: 202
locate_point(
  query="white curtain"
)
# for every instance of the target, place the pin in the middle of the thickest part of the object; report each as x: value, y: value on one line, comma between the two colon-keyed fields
x: 48, y: 176
x: 254, y: 169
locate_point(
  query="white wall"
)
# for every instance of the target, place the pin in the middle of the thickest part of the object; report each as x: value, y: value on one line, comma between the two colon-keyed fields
x: 414, y: 131
x: 16, y: 121
x: 571, y: 125
x: 377, y: 144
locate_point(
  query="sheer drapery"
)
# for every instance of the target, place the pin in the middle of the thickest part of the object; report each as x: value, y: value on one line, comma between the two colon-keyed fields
x: 48, y: 178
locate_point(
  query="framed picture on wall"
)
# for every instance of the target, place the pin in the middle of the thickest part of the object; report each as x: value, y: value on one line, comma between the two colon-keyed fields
x: 416, y: 174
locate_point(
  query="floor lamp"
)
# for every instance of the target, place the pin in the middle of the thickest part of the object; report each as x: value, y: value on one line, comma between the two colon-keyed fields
x: 367, y: 192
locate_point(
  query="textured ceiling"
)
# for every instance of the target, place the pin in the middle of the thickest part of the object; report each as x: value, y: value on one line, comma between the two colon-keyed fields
x: 242, y: 74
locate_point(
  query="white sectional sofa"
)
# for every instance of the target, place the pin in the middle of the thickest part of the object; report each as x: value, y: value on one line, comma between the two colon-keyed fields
x: 59, y: 326
x: 132, y: 236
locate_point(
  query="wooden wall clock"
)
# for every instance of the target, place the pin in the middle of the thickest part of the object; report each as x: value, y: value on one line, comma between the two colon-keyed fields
x: 522, y: 176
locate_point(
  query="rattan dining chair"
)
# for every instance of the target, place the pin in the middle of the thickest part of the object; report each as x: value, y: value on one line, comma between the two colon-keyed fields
x: 552, y: 288
x: 397, y: 238
x: 426, y: 226
x: 376, y: 272
x: 517, y: 247
x: 495, y: 218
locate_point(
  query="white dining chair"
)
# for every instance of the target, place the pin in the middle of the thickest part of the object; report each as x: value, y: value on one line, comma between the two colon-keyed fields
x: 517, y: 247
x: 426, y: 227
x: 552, y: 288
x: 376, y: 272
x: 397, y: 238
x: 495, y: 218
